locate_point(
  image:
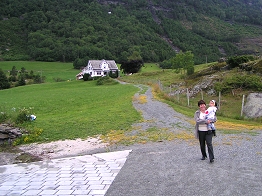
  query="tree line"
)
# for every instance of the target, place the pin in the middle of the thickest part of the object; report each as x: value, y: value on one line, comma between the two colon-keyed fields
x: 19, y: 78
x: 80, y: 30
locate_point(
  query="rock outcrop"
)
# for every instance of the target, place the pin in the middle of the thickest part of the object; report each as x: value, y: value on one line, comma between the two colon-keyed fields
x: 9, y: 133
x: 253, y: 106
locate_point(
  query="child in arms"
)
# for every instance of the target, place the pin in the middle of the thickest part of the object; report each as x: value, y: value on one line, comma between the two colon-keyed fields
x: 210, y: 115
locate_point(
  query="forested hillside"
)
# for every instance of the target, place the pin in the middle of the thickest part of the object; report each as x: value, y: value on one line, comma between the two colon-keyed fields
x: 79, y: 30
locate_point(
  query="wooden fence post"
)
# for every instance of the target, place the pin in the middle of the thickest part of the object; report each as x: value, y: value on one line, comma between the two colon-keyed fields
x: 243, y: 100
x: 187, y: 97
x: 219, y: 97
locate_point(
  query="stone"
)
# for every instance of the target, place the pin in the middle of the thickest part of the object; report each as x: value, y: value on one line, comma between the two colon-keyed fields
x: 9, y: 133
x: 253, y: 106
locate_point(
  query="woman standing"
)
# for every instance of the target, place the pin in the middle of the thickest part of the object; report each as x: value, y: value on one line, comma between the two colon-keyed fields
x: 202, y: 133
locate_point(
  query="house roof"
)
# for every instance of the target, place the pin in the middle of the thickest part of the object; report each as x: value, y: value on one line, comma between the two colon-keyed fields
x: 111, y: 64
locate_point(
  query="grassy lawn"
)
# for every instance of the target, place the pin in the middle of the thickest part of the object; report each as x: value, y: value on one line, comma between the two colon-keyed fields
x: 50, y: 70
x: 70, y: 109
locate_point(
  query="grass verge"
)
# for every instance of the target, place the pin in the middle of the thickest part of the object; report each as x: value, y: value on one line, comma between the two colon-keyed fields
x: 70, y: 110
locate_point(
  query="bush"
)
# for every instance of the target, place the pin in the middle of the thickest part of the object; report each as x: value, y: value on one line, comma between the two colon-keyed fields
x: 96, y: 77
x: 190, y: 70
x: 33, y: 136
x: 86, y: 77
x: 39, y: 79
x: 258, y: 67
x: 237, y: 60
x: 245, y: 82
x: 23, y: 115
x: 106, y: 81
x: 113, y: 75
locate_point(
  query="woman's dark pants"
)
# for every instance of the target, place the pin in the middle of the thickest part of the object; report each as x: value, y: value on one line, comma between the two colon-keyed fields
x: 205, y: 138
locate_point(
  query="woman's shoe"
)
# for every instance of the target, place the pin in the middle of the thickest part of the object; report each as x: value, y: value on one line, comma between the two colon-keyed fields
x: 211, y: 160
x: 203, y: 158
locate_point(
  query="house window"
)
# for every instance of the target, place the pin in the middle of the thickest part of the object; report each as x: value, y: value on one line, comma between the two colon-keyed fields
x: 99, y: 73
x: 90, y: 73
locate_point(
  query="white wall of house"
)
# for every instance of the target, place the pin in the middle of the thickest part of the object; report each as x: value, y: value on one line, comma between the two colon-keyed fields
x: 103, y: 70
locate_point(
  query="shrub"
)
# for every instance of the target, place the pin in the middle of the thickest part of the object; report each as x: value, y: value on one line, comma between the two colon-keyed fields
x: 96, y: 77
x: 106, y: 81
x: 258, y: 67
x: 113, y: 75
x: 190, y: 70
x: 248, y: 82
x: 237, y: 60
x: 32, y: 136
x: 23, y: 115
x: 86, y: 77
x: 39, y: 79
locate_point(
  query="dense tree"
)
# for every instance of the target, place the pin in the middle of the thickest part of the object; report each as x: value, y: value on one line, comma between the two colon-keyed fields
x: 55, y: 30
x: 4, y: 84
x: 132, y: 66
x: 184, y: 61
x: 13, y: 72
x: 21, y: 80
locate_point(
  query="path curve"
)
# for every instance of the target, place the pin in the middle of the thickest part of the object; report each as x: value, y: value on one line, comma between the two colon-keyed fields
x: 160, y: 115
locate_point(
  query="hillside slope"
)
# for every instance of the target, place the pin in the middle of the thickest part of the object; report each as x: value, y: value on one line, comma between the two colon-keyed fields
x: 55, y: 30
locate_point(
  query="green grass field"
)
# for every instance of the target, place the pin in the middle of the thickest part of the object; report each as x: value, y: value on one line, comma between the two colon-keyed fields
x: 50, y: 70
x: 70, y: 109
x: 76, y: 109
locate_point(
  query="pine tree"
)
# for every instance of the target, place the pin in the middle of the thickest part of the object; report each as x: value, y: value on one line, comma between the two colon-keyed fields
x: 4, y: 84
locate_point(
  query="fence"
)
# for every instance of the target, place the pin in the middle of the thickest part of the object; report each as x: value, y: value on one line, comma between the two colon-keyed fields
x: 185, y: 97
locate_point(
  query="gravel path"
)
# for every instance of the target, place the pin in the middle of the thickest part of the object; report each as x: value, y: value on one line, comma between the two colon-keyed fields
x: 174, y: 167
x: 160, y: 115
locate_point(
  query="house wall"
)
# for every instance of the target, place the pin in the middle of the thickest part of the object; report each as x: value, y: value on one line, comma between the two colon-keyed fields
x: 101, y: 71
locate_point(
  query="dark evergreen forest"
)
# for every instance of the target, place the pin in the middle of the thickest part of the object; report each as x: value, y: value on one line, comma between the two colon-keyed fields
x: 79, y: 30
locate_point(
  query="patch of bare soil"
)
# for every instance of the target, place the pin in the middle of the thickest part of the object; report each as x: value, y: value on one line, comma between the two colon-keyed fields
x: 58, y: 149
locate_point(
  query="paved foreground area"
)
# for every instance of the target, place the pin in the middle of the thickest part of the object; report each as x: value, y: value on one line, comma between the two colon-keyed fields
x: 154, y: 169
x: 175, y: 169
x: 81, y: 175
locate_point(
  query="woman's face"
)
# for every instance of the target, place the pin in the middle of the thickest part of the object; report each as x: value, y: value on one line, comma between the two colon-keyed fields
x: 202, y: 107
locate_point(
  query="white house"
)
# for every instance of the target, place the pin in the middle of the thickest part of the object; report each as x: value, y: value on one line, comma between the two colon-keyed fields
x: 98, y: 68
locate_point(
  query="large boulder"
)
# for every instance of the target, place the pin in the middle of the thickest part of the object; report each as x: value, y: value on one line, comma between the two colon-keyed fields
x: 253, y: 106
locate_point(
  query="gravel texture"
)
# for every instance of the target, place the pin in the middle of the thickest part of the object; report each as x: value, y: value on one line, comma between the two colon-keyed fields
x: 175, y: 168
x: 160, y: 115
